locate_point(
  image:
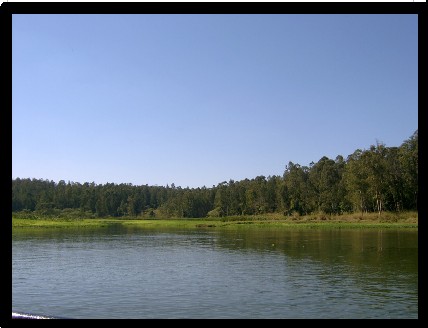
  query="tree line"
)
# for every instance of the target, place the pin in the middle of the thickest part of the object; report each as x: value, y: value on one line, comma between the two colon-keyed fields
x: 372, y: 180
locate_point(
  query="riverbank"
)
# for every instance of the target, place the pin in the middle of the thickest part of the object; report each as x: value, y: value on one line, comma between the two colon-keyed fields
x: 367, y: 220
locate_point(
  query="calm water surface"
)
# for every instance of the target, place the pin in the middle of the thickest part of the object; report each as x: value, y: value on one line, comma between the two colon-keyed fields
x: 246, y: 273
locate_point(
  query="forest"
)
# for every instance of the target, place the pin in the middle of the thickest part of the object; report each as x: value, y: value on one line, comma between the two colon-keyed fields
x: 376, y: 179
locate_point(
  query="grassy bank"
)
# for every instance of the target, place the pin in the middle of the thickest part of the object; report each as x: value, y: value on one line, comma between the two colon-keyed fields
x: 367, y: 220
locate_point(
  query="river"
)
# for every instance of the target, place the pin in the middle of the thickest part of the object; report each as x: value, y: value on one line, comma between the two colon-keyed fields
x: 246, y: 273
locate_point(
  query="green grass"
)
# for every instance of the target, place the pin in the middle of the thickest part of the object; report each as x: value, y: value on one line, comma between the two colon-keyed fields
x: 355, y: 220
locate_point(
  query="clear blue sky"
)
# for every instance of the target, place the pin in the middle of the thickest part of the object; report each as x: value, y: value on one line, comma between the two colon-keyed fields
x: 195, y: 100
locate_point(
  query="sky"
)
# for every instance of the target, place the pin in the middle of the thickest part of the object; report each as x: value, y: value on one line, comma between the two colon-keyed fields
x: 196, y: 100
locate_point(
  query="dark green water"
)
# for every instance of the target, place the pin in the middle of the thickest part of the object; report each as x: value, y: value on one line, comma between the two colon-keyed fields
x: 247, y: 273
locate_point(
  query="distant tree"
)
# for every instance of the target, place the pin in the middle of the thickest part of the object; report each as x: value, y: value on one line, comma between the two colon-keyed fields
x: 324, y: 178
x: 377, y: 179
x: 408, y: 157
x: 296, y: 184
x: 356, y: 181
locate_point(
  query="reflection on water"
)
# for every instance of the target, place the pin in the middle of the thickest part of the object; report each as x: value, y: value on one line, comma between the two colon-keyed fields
x: 245, y: 273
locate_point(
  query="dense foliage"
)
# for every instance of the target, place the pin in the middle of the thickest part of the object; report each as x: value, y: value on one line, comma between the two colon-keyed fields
x: 377, y: 179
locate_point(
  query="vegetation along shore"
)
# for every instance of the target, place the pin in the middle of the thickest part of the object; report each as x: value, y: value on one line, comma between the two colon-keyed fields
x: 378, y: 185
x: 372, y: 220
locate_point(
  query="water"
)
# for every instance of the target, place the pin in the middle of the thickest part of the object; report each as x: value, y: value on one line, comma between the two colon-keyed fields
x: 247, y: 273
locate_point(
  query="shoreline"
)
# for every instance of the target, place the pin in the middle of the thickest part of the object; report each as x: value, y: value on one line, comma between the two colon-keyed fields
x: 224, y: 222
